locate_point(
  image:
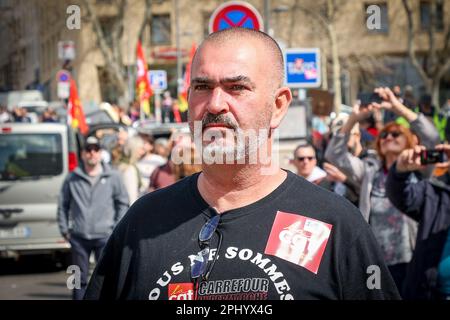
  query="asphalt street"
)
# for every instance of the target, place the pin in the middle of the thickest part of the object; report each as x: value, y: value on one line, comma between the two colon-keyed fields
x: 33, y: 278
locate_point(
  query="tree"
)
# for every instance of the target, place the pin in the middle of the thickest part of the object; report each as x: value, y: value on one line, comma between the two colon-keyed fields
x: 110, y: 41
x: 325, y: 13
x: 436, y: 62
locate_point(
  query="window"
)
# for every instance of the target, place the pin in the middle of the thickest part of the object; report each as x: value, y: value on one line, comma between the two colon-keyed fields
x: 377, y: 18
x: 161, y: 29
x: 30, y: 155
x: 425, y: 15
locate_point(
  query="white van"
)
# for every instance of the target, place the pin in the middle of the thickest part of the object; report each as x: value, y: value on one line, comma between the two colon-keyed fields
x: 34, y: 160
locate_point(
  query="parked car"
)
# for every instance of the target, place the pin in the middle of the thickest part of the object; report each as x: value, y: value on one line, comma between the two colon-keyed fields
x: 34, y: 160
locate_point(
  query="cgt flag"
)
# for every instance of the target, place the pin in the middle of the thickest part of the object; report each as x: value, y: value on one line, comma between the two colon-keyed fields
x: 75, y: 114
x: 182, y: 98
x: 143, y: 88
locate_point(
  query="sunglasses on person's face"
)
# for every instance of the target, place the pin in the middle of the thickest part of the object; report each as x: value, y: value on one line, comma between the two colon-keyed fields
x: 301, y: 159
x: 89, y: 149
x: 200, y: 267
x: 394, y: 134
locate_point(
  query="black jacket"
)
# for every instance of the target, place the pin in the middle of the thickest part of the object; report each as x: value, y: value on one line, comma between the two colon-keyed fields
x: 428, y: 202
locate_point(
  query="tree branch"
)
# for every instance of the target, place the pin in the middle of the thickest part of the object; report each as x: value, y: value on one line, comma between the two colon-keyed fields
x: 117, y: 32
x: 432, y: 58
x: 114, y: 67
x: 411, y: 47
x: 147, y: 19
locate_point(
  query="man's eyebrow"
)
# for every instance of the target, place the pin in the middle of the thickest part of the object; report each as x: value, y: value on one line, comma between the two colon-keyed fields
x: 202, y: 80
x: 240, y: 78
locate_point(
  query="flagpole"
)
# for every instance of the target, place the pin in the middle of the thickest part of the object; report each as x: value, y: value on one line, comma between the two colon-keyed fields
x: 177, y: 31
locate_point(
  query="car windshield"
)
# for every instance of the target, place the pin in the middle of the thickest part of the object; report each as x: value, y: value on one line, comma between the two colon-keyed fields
x: 30, y: 156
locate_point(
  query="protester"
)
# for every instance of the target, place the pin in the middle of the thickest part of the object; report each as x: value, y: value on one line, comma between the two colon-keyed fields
x: 117, y: 153
x: 183, y: 166
x: 167, y: 108
x: 4, y: 115
x: 162, y: 147
x: 49, y: 115
x: 21, y: 115
x: 305, y: 162
x: 428, y: 202
x: 339, y: 183
x: 394, y: 231
x: 149, y: 162
x: 131, y: 176
x: 92, y: 200
x: 263, y: 227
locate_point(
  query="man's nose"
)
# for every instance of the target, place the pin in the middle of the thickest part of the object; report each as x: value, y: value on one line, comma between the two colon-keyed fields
x: 217, y: 103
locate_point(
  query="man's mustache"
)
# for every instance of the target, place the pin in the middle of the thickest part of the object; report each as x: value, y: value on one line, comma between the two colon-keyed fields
x: 210, y: 118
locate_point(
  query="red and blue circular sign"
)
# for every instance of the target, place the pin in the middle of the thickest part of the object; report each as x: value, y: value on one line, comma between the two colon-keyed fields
x: 63, y: 76
x: 235, y: 14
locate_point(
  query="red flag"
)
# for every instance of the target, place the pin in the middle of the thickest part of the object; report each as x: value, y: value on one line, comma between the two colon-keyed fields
x: 182, y: 99
x: 75, y: 114
x: 143, y: 87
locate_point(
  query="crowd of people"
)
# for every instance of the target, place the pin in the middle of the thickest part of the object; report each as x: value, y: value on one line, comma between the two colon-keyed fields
x: 378, y: 168
x: 373, y: 157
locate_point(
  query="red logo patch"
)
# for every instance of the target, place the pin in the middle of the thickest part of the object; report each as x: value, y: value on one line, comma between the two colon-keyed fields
x: 181, y: 291
x: 298, y: 239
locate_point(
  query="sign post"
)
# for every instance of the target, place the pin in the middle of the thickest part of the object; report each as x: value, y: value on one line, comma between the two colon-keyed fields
x: 66, y: 50
x: 302, y: 68
x: 63, y: 84
x: 158, y: 82
x: 235, y: 14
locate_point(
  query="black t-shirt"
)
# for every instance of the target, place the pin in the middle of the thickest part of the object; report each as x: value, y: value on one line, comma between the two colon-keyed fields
x: 299, y: 242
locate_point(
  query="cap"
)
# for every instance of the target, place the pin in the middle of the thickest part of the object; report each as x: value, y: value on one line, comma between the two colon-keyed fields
x: 92, y: 141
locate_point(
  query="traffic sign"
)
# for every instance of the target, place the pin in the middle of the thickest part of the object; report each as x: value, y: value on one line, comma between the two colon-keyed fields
x: 63, y: 84
x: 302, y: 68
x: 158, y: 79
x: 235, y: 14
x: 66, y: 50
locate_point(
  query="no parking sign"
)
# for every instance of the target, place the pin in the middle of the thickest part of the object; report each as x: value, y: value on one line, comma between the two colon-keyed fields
x: 235, y: 14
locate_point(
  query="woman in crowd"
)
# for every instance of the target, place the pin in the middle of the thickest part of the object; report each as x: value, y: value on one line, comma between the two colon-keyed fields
x: 133, y: 152
x: 183, y: 161
x: 394, y: 231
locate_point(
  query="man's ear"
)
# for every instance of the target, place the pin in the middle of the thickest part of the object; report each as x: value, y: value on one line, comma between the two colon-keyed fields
x: 283, y: 98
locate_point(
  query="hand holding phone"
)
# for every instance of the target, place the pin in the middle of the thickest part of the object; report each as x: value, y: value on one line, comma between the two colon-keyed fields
x: 432, y: 156
x: 367, y: 98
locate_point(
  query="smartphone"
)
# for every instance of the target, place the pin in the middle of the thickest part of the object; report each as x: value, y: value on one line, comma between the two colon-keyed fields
x: 367, y: 98
x: 432, y: 156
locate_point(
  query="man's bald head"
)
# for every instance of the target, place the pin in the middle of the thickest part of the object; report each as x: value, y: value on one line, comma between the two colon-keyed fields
x: 237, y: 34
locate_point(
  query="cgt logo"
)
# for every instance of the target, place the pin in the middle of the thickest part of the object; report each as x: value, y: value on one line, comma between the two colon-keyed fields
x: 181, y: 291
x: 298, y: 239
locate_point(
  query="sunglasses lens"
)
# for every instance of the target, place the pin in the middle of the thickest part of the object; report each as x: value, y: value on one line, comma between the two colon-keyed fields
x: 208, y: 229
x: 200, y: 263
x: 304, y: 158
x: 90, y: 149
x: 394, y: 134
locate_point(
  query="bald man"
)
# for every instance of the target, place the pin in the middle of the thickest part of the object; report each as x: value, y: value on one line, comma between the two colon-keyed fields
x: 242, y: 228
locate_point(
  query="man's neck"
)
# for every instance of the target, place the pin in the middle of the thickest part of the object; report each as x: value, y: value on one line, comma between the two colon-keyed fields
x: 227, y: 187
x: 93, y: 171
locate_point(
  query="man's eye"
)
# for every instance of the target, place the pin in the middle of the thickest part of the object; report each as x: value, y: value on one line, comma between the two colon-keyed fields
x: 201, y: 87
x: 237, y: 87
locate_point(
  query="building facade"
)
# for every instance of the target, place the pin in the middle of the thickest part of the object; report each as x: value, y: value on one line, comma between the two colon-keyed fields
x: 368, y: 56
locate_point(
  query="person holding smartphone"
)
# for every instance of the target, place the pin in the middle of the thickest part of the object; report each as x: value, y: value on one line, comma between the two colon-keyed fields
x: 427, y: 202
x: 394, y: 231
